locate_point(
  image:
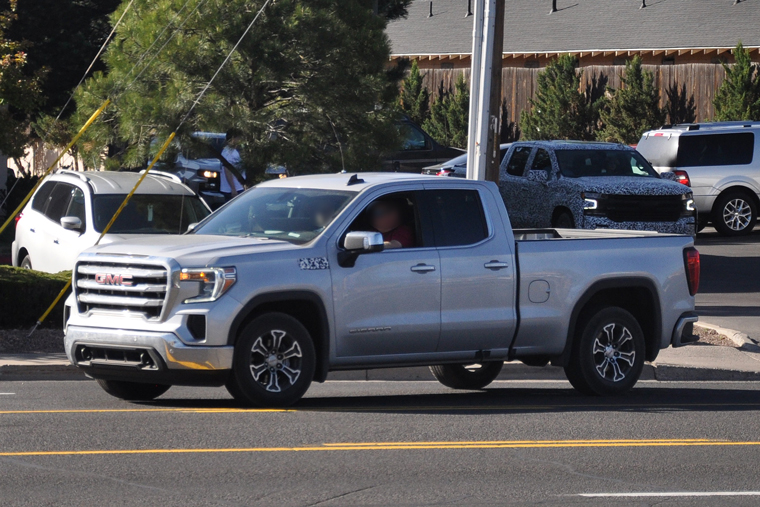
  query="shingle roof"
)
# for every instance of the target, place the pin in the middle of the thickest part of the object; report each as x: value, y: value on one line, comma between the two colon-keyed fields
x: 582, y: 25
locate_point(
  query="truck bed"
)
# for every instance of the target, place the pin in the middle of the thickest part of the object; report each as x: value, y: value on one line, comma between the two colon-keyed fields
x: 551, y: 234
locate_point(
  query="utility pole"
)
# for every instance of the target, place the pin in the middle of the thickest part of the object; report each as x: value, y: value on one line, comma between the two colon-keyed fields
x: 485, y: 90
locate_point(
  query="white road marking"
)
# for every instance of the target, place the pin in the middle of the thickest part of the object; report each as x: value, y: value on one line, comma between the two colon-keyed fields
x: 7, y: 394
x: 670, y: 494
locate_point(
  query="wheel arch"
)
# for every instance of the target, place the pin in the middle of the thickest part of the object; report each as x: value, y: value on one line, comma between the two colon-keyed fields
x: 304, y: 306
x: 638, y: 296
x: 560, y: 209
x: 741, y: 188
x: 22, y: 252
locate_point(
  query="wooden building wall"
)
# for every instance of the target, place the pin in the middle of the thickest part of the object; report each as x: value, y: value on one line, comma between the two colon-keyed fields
x: 701, y: 81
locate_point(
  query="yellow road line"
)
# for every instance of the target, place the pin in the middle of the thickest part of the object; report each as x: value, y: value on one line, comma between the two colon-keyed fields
x: 410, y: 408
x: 391, y: 446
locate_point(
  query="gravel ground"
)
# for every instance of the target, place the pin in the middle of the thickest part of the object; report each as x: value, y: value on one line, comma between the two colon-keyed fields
x: 712, y: 337
x: 17, y: 341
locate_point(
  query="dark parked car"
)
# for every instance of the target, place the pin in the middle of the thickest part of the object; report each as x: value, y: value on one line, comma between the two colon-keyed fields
x: 457, y: 166
x: 419, y: 150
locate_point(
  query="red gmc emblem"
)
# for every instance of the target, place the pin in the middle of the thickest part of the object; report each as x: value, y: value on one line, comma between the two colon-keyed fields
x: 109, y: 279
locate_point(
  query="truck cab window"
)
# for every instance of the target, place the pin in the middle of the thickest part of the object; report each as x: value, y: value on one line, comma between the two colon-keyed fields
x: 395, y: 216
x: 457, y: 217
x: 542, y: 161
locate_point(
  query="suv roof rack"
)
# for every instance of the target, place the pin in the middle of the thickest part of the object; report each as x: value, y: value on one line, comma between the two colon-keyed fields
x: 78, y: 174
x: 165, y: 175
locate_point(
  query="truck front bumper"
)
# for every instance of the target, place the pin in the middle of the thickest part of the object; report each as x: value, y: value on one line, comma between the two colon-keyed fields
x: 143, y: 356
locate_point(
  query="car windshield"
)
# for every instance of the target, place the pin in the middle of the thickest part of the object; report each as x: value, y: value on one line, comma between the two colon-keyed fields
x: 580, y: 163
x: 296, y: 215
x: 148, y: 213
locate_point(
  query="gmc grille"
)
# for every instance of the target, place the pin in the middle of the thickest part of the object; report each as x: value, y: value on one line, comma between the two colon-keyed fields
x: 643, y: 208
x: 137, y: 288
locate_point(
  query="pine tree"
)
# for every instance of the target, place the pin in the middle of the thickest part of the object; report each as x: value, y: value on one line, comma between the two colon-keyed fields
x: 559, y: 109
x: 738, y: 97
x: 449, y: 115
x: 632, y: 109
x: 415, y: 97
x: 308, y: 86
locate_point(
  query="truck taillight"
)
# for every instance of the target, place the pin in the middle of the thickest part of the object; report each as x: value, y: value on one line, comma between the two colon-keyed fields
x: 445, y: 172
x: 683, y: 178
x: 691, y: 262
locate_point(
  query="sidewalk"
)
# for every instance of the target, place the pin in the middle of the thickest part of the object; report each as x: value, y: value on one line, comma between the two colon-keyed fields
x: 692, y: 363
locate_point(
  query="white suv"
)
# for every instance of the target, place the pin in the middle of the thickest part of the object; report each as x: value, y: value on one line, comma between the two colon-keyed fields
x: 721, y: 163
x: 70, y: 209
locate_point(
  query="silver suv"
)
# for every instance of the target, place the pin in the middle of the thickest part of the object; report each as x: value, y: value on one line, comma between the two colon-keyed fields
x: 719, y: 162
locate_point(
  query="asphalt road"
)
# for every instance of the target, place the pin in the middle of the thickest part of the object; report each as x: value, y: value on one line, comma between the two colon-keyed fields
x: 729, y: 292
x: 383, y: 443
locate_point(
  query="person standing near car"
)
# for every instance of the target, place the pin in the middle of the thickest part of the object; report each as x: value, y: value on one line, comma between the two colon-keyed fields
x: 229, y: 185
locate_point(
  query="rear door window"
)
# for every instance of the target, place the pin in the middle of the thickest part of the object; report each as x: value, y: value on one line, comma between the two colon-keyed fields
x: 457, y: 216
x: 518, y: 160
x: 715, y: 149
x: 59, y: 201
x: 41, y: 197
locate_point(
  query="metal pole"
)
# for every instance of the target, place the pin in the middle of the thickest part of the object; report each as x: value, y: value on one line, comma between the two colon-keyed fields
x: 475, y: 79
x: 476, y: 166
x: 493, y: 159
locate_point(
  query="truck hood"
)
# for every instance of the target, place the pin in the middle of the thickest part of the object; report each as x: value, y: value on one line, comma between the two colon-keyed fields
x: 190, y: 249
x: 628, y: 185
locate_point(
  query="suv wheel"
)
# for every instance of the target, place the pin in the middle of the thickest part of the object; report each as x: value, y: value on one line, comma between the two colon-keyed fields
x: 608, y: 355
x: 734, y: 214
x: 26, y: 262
x: 132, y: 391
x: 274, y: 362
x: 460, y: 376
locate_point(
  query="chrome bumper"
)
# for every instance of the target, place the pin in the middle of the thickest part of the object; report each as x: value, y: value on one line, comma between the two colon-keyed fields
x: 173, y: 354
x: 683, y: 333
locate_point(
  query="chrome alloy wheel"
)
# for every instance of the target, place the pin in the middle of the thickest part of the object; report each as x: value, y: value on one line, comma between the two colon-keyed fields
x: 276, y: 358
x: 737, y: 214
x: 614, y: 352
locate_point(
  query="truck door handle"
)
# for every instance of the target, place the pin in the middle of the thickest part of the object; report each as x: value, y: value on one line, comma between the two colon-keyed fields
x: 495, y: 265
x: 56, y: 241
x: 32, y: 230
x: 423, y: 268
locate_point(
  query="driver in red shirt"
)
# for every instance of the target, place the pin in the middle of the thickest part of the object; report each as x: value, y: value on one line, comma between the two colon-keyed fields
x: 386, y: 218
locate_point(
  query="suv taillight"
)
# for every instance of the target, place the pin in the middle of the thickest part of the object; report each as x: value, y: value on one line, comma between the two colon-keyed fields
x: 18, y: 217
x: 691, y: 263
x: 445, y: 172
x: 683, y: 178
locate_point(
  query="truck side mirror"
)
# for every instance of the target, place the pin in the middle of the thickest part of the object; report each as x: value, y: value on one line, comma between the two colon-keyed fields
x: 357, y: 243
x: 71, y: 223
x: 538, y: 176
x: 191, y: 227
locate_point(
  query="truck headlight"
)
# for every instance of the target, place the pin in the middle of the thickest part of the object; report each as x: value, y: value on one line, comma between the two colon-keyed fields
x: 208, y: 174
x: 213, y: 282
x: 689, y: 208
x: 591, y: 203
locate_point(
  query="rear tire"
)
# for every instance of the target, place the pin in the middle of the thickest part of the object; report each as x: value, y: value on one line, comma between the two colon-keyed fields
x: 563, y: 220
x: 608, y: 355
x: 26, y: 263
x: 133, y: 391
x: 458, y: 376
x: 734, y: 214
x: 274, y: 362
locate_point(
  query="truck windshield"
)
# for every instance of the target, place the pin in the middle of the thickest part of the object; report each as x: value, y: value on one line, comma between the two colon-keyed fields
x: 148, y: 213
x: 295, y: 215
x: 580, y: 163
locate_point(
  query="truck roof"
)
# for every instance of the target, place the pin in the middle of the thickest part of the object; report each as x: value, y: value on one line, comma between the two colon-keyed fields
x: 576, y: 145
x: 355, y: 181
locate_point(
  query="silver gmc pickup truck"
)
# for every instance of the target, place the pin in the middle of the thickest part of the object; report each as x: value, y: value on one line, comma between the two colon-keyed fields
x: 302, y: 276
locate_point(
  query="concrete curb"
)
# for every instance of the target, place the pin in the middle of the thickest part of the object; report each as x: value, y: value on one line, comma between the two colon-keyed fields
x: 741, y: 340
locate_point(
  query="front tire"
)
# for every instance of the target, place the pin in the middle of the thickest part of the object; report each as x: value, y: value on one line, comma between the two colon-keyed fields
x: 734, y: 214
x: 133, y: 391
x: 460, y: 376
x: 274, y: 362
x: 26, y: 263
x: 608, y: 356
